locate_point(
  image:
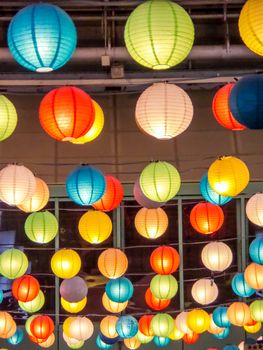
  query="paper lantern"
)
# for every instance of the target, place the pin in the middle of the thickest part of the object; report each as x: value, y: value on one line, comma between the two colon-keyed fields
x: 96, y: 128
x: 41, y: 227
x: 112, y: 263
x: 13, y: 263
x: 113, y: 195
x: 176, y: 334
x: 39, y: 199
x: 8, y: 121
x: 254, y: 328
x: 161, y: 341
x: 85, y: 185
x: 240, y: 286
x: 238, y: 313
x: 160, y: 181
x: 74, y: 289
x: 108, y: 326
x: 72, y: 342
x: 162, y: 325
x: 142, y: 200
x: 17, y: 184
x: 213, y: 328
x: 95, y: 227
x: 164, y: 286
x: 42, y: 326
x: 108, y: 340
x: 164, y: 260
x: 206, y: 218
x: 79, y: 345
x: 6, y: 324
x: 119, y: 290
x: 127, y: 326
x: 163, y: 111
x: 156, y: 303
x: 111, y: 306
x: 34, y: 305
x: 151, y: 223
x: 191, y: 338
x: 254, y: 276
x: 159, y: 35
x: 65, y: 263
x: 73, y: 308
x: 220, y: 317
x: 25, y: 288
x: 143, y: 339
x: 16, y: 338
x: 216, y: 256
x: 181, y: 322
x: 145, y: 325
x: 101, y: 345
x: 1, y: 296
x: 49, y: 342
x: 28, y: 323
x: 198, y: 321
x: 204, y: 291
x: 256, y: 309
x: 254, y: 209
x: 66, y: 325
x: 210, y: 195
x: 11, y: 331
x: 230, y: 347
x: 81, y: 328
x: 132, y: 343
x: 256, y: 250
x: 37, y: 340
x: 224, y: 334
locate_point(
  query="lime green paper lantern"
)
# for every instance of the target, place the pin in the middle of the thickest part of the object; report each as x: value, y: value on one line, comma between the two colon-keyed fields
x: 164, y: 286
x: 159, y: 34
x: 162, y: 325
x: 34, y: 305
x: 256, y: 310
x: 8, y: 118
x: 41, y: 227
x: 13, y: 263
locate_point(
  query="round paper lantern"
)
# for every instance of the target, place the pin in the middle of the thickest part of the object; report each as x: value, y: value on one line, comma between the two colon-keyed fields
x: 191, y: 338
x: 34, y: 305
x: 181, y: 322
x: 160, y: 181
x: 256, y: 309
x: 11, y: 331
x: 42, y: 326
x: 159, y: 35
x: 127, y: 327
x: 39, y: 199
x: 108, y: 340
x: 6, y: 324
x: 17, y: 184
x: 1, y: 296
x: 65, y: 263
x: 213, y: 328
x: 240, y: 286
x: 256, y: 250
x: 254, y: 276
x: 216, y: 256
x: 156, y: 303
x: 228, y: 176
x: 142, y: 200
x: 198, y: 321
x: 95, y: 227
x: 224, y: 334
x: 8, y: 121
x: 111, y: 306
x: 230, y: 347
x: 145, y: 325
x: 238, y: 313
x: 210, y: 195
x: 163, y: 111
x: 164, y: 260
x: 76, y: 346
x: 204, y: 291
x: 37, y: 340
x: 81, y: 328
x: 132, y: 343
x: 151, y: 223
x: 254, y: 328
x: 176, y: 334
x: 162, y: 325
x: 85, y: 185
x: 108, y: 326
x: 164, y: 286
x: 96, y: 128
x: 112, y: 263
x: 101, y: 345
x: 49, y: 342
x: 221, y: 110
x: 74, y: 289
x: 66, y: 325
x: 220, y: 317
x: 41, y: 227
x: 143, y: 339
x: 113, y: 195
x: 13, y: 263
x: 71, y: 342
x: 17, y: 337
x: 206, y: 218
x: 254, y: 209
x: 73, y: 308
x: 28, y: 323
x: 119, y: 290
x: 161, y: 341
x: 25, y: 288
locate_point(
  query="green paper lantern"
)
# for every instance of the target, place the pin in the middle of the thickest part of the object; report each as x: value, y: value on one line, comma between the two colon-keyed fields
x: 34, y: 305
x: 162, y: 325
x: 164, y: 286
x: 41, y: 227
x: 8, y: 120
x: 256, y: 309
x: 76, y: 346
x: 28, y: 323
x: 13, y: 263
x: 143, y: 339
x: 159, y: 34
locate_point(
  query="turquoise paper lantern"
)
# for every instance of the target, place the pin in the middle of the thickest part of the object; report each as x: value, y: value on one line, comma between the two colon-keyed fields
x: 101, y: 345
x: 119, y: 289
x: 16, y: 338
x: 210, y: 195
x: 85, y: 185
x: 223, y: 334
x: 127, y: 327
x: 256, y: 250
x: 42, y: 37
x: 1, y: 296
x: 231, y: 347
x: 240, y: 286
x: 220, y: 317
x: 161, y: 341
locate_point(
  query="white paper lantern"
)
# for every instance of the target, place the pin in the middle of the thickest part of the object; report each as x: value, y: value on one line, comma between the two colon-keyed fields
x: 216, y: 256
x: 181, y: 322
x: 81, y: 328
x: 204, y: 291
x: 164, y: 111
x: 254, y: 209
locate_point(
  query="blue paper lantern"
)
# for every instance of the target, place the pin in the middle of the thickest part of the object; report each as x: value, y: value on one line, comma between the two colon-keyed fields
x: 101, y: 344
x: 220, y: 317
x: 127, y: 327
x: 1, y: 296
x: 223, y: 334
x: 246, y: 101
x: 108, y: 341
x: 210, y: 195
x: 231, y: 347
x: 256, y: 250
x: 161, y: 341
x: 119, y: 290
x: 42, y: 37
x: 16, y: 338
x: 240, y: 286
x: 85, y: 185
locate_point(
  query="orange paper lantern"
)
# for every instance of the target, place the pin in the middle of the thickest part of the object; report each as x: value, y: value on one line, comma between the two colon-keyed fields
x: 155, y: 303
x: 206, y: 217
x: 112, y: 263
x: 190, y: 338
x: 254, y: 276
x: 25, y: 288
x: 6, y: 324
x: 238, y: 314
x: 145, y: 325
x: 42, y: 327
x: 37, y: 340
x: 164, y: 260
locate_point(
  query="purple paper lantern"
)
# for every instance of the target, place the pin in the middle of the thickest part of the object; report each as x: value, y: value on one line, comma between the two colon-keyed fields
x: 142, y: 200
x: 74, y: 289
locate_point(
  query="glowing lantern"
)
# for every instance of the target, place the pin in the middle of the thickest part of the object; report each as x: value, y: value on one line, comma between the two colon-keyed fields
x: 164, y: 286
x: 254, y: 328
x: 254, y: 209
x: 49, y: 342
x: 204, y: 291
x: 108, y: 326
x: 81, y: 328
x: 164, y: 111
x: 6, y: 324
x: 25, y: 288
x: 176, y: 334
x: 112, y: 263
x: 113, y: 195
x: 151, y: 223
x: 143, y: 339
x: 166, y: 34
x: 238, y: 314
x: 228, y: 176
x: 73, y: 308
x: 230, y: 347
x: 34, y: 305
x: 28, y: 323
x: 155, y: 303
x: 11, y: 332
x: 161, y: 341
x: 144, y: 325
x: 160, y: 181
x: 256, y: 250
x: 79, y: 345
x: 127, y: 326
x: 111, y: 306
x: 216, y: 256
x: 36, y: 340
x: 191, y: 338
x: 162, y: 325
x: 256, y: 309
x: 142, y: 200
x: 72, y: 342
x: 66, y: 325
x: 224, y: 334
x: 65, y: 263
x: 206, y: 218
x: 132, y: 343
x: 74, y: 289
x: 198, y: 321
x: 213, y: 328
x: 17, y: 184
x: 1, y: 296
x: 13, y: 263
x: 240, y: 286
x: 39, y: 199
x: 85, y: 185
x: 254, y: 276
x: 101, y: 345
x: 220, y: 317
x: 42, y: 327
x: 16, y: 338
x: 210, y: 195
x: 119, y: 289
x: 41, y: 227
x: 95, y: 227
x: 8, y: 118
x: 181, y: 322
x: 164, y: 260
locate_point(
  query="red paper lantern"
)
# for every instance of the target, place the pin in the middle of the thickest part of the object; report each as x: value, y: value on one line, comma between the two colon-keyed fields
x: 221, y: 110
x: 164, y: 260
x: 25, y: 288
x: 206, y: 217
x: 190, y: 338
x: 66, y: 113
x: 37, y: 340
x: 113, y: 195
x: 145, y: 325
x: 42, y: 326
x: 155, y: 303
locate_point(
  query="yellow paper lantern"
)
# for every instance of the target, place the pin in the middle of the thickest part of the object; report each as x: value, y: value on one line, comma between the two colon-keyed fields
x: 204, y: 291
x: 143, y: 339
x: 65, y: 263
x: 198, y: 321
x: 181, y: 322
x: 151, y: 223
x: 162, y: 325
x: 228, y: 176
x: 112, y: 306
x: 132, y: 343
x: 8, y: 120
x: 112, y: 263
x: 34, y: 305
x: 13, y: 263
x: 254, y: 276
x: 39, y: 199
x: 49, y: 342
x: 66, y: 325
x: 108, y: 326
x: 256, y: 309
x: 95, y: 226
x: 254, y: 209
x: 176, y: 334
x: 254, y: 328
x: 238, y: 314
x: 213, y: 328
x: 216, y: 256
x: 81, y: 328
x: 73, y: 308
